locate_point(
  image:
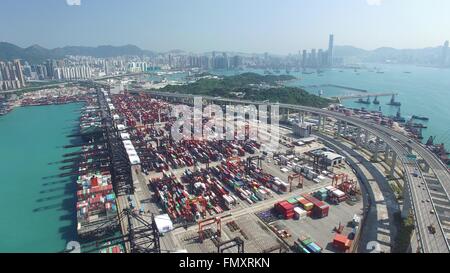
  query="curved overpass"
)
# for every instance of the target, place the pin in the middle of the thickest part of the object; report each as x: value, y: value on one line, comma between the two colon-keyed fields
x: 423, y: 204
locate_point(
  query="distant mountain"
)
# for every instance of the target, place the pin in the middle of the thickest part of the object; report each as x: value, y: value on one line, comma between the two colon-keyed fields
x: 349, y: 54
x: 38, y: 54
x: 349, y: 51
x: 425, y: 56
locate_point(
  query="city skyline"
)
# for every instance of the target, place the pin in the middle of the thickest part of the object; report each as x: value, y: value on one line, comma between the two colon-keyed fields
x: 202, y: 26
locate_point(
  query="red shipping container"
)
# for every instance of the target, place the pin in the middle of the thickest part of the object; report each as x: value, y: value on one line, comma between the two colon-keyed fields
x: 94, y: 182
x: 341, y: 242
x: 322, y: 211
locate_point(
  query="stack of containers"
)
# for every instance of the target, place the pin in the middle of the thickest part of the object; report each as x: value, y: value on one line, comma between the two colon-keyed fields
x: 293, y: 201
x: 308, y: 244
x: 299, y: 214
x: 321, y: 194
x: 339, y: 195
x: 285, y: 209
x: 306, y: 205
x: 276, y: 185
x: 314, y: 248
x: 341, y: 242
x: 330, y: 189
x: 320, y: 209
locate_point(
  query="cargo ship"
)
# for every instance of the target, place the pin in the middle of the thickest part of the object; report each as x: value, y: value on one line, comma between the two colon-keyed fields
x: 420, y: 118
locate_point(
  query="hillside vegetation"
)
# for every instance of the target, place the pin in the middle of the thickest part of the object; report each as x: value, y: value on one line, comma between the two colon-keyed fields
x: 251, y: 86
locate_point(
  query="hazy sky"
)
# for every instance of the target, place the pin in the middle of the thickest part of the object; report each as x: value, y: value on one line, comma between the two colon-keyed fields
x: 277, y: 26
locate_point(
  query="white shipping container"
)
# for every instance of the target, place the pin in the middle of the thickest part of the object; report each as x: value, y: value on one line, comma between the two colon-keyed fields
x: 275, y: 188
x: 338, y: 193
x: 300, y: 213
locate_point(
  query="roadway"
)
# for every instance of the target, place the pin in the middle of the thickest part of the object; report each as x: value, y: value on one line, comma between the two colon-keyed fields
x: 424, y: 211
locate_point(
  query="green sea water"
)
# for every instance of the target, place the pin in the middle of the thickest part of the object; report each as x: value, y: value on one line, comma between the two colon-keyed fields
x: 36, y: 206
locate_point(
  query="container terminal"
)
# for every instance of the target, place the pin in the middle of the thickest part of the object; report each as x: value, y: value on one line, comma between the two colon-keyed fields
x: 178, y: 195
x: 140, y: 191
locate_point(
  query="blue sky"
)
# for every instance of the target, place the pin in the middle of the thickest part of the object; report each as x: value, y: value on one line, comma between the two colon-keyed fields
x: 276, y: 26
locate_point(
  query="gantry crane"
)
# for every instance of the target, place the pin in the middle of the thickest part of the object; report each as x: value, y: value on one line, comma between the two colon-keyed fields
x: 346, y: 185
x: 198, y: 200
x: 291, y: 179
x: 207, y: 222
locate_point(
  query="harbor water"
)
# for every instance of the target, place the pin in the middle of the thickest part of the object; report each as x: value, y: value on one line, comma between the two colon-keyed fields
x: 37, y: 206
x: 422, y: 91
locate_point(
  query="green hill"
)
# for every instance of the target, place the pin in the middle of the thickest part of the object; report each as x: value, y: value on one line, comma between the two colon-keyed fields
x: 251, y: 86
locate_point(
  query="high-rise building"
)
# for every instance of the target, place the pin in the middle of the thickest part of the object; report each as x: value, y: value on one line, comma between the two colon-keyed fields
x: 330, y: 50
x: 304, y: 58
x: 19, y: 72
x: 106, y: 68
x: 313, y: 58
x: 445, y: 54
x: 11, y: 75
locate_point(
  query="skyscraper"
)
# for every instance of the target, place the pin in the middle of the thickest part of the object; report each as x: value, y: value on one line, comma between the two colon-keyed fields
x: 445, y: 53
x: 330, y: 50
x: 11, y: 75
x: 304, y: 59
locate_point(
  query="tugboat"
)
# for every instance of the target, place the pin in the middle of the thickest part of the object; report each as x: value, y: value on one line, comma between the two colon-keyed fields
x: 393, y: 102
x: 376, y: 101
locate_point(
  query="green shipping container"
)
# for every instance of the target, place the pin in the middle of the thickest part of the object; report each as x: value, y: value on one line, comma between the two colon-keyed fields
x: 307, y: 242
x: 293, y: 201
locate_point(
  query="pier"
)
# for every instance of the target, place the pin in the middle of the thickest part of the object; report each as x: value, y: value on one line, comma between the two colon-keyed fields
x: 365, y: 95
